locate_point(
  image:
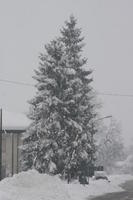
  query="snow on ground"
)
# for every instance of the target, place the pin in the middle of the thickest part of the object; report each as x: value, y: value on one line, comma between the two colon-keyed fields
x: 98, y: 187
x: 34, y: 186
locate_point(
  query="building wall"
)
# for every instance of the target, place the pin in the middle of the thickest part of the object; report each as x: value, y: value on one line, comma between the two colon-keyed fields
x: 10, y: 153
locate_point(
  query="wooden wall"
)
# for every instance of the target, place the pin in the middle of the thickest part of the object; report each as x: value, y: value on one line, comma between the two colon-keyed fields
x: 10, y: 153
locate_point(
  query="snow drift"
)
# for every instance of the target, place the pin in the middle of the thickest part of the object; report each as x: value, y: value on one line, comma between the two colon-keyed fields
x: 31, y: 185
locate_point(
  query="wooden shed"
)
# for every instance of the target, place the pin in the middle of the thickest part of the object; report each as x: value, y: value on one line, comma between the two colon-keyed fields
x: 13, y: 125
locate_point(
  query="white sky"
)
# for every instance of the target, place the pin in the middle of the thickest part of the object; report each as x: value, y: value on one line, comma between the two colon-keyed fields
x: 26, y: 25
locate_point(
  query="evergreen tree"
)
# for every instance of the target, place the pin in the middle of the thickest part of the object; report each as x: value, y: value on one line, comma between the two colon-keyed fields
x: 43, y: 138
x: 59, y: 138
x: 81, y: 106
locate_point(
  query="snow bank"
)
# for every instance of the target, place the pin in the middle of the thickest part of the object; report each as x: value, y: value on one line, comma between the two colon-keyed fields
x: 34, y: 186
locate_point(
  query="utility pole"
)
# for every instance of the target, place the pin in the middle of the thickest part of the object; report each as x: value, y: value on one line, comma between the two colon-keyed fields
x: 0, y: 144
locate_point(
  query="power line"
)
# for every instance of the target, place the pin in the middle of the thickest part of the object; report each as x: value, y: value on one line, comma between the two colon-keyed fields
x: 16, y: 82
x: 98, y: 93
x: 115, y: 94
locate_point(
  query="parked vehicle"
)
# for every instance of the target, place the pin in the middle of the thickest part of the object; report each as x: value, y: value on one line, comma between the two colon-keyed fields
x: 100, y: 175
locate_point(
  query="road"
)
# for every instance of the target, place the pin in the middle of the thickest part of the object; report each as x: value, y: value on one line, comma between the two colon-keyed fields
x: 125, y: 195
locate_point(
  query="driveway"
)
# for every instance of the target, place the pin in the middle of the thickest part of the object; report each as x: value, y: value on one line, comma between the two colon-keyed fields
x: 125, y: 195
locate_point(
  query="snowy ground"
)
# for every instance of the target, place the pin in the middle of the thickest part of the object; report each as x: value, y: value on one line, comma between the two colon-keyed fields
x: 34, y: 186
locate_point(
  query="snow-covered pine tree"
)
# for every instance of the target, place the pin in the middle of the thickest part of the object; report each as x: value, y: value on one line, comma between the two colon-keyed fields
x: 44, y: 138
x: 59, y: 137
x: 80, y: 104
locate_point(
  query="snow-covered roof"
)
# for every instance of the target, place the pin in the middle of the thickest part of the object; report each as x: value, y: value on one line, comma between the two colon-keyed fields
x: 14, y: 121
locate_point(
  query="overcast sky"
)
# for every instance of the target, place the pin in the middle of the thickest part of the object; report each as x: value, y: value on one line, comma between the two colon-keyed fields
x: 26, y: 25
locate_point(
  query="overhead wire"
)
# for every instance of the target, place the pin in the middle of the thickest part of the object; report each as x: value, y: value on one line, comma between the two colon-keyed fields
x: 114, y: 94
x: 98, y: 93
x: 15, y: 82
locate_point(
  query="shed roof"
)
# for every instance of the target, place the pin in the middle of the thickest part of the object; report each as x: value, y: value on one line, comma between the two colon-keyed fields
x: 14, y: 121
